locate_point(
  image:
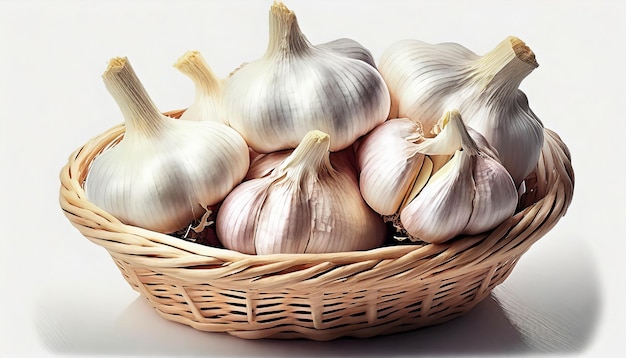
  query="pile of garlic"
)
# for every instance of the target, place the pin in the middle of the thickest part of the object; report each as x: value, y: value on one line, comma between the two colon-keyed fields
x: 313, y: 148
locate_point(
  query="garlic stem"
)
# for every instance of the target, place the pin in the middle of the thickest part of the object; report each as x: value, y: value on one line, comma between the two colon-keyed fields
x: 285, y: 37
x: 142, y: 118
x: 503, y: 69
x: 311, y: 156
x: 208, y: 103
x: 193, y: 65
x: 467, y: 142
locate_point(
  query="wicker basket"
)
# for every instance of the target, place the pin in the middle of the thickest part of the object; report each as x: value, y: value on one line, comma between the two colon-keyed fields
x: 318, y: 296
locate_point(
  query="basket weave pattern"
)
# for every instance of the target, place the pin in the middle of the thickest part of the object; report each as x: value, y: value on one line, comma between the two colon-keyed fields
x: 318, y: 296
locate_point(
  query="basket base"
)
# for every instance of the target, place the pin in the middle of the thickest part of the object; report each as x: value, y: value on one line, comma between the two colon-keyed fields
x: 364, y: 332
x: 286, y: 314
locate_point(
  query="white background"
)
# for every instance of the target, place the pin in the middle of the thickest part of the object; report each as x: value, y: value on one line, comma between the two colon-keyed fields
x: 62, y: 295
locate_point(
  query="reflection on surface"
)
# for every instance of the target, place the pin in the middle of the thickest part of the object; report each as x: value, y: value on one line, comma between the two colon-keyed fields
x: 539, y: 308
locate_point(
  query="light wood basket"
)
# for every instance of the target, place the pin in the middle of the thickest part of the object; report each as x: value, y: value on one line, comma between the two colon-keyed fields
x: 318, y: 296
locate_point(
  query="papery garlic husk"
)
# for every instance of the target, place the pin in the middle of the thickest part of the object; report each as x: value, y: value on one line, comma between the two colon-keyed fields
x: 297, y: 87
x: 425, y: 79
x: 472, y: 193
x: 164, y: 173
x: 208, y: 104
x: 304, y: 205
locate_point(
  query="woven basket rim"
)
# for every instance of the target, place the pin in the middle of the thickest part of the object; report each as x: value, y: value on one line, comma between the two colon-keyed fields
x: 550, y: 199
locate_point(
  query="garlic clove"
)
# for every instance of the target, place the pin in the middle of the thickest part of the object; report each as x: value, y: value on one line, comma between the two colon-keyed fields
x: 495, y: 197
x: 419, y: 182
x: 349, y: 226
x: 518, y: 141
x: 235, y: 231
x: 444, y: 206
x: 208, y: 104
x: 291, y: 235
x: 438, y: 161
x: 164, y: 173
x: 297, y: 87
x: 304, y: 205
x: 389, y: 163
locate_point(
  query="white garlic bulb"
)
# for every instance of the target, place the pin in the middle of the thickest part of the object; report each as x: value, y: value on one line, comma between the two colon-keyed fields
x: 297, y: 87
x: 208, y: 104
x: 164, y: 173
x: 305, y: 205
x: 426, y: 79
x: 472, y: 193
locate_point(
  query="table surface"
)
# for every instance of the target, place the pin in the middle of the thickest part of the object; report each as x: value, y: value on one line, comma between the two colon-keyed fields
x: 63, y: 295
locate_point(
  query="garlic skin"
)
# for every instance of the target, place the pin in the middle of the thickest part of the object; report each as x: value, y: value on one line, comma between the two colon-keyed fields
x: 208, y: 104
x: 164, y: 173
x: 426, y: 79
x: 472, y: 193
x: 297, y: 87
x: 303, y: 206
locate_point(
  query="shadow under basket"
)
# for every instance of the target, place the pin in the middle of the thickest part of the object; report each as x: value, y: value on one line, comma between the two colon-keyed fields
x: 318, y: 296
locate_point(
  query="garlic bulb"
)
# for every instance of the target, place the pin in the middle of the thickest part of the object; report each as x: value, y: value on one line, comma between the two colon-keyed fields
x: 164, y: 173
x: 208, y: 104
x: 425, y: 79
x: 304, y: 205
x: 470, y: 194
x: 297, y: 87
